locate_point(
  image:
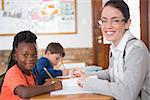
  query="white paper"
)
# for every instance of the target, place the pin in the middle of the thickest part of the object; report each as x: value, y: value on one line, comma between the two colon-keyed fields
x: 74, y: 65
x: 67, y: 76
x: 70, y: 86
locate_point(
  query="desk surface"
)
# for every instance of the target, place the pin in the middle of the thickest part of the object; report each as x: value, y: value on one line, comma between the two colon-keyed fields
x: 73, y: 97
x: 83, y: 96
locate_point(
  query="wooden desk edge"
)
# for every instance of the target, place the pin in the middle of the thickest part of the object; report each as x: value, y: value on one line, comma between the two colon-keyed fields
x: 84, y: 96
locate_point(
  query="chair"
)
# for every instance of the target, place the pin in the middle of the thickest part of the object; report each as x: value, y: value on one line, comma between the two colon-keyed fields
x: 3, y: 69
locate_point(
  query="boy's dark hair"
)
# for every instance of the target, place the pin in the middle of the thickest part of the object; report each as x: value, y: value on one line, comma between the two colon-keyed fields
x: 120, y: 5
x: 56, y: 48
x: 23, y: 36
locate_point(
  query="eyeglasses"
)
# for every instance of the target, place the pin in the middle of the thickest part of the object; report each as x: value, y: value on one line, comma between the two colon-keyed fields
x: 113, y: 22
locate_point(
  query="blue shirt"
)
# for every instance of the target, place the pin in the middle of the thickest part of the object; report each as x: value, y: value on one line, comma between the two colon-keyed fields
x: 40, y: 73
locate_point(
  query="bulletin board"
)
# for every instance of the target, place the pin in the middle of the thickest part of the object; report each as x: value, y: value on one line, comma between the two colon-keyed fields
x: 38, y: 16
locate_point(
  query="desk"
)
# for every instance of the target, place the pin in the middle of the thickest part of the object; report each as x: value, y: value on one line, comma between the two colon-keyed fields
x: 83, y: 96
x: 73, y: 97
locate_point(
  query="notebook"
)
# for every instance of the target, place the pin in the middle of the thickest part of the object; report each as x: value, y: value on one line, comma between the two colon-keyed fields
x: 70, y: 86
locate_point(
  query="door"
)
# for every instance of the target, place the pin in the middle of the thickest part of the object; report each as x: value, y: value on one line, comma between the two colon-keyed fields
x: 101, y: 50
x: 145, y: 19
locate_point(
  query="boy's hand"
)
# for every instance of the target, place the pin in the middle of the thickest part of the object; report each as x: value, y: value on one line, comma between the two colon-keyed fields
x: 65, y: 72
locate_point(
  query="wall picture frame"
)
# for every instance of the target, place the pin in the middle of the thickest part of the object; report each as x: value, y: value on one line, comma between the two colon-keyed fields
x: 43, y: 17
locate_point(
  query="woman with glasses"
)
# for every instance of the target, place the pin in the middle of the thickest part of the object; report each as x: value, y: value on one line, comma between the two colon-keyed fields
x: 128, y: 74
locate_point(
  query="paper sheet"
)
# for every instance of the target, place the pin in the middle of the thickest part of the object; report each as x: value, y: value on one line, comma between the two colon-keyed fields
x: 67, y: 76
x: 70, y: 86
x: 74, y: 65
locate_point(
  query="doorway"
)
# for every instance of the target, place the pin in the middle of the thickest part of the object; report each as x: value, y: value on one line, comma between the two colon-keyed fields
x: 101, y: 49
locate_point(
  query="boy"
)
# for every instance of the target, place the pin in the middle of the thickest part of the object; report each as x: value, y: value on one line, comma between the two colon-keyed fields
x: 53, y: 54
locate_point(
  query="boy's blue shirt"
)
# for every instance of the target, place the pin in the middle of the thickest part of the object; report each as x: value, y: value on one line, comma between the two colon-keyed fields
x: 40, y: 73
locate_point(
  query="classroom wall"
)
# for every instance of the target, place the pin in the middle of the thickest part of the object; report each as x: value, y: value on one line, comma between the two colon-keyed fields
x: 82, y: 39
x: 78, y: 46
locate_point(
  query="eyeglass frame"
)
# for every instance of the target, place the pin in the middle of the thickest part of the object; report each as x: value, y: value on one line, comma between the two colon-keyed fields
x: 113, y: 22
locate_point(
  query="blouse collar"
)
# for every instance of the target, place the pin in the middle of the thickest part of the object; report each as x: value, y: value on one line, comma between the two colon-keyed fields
x: 121, y: 46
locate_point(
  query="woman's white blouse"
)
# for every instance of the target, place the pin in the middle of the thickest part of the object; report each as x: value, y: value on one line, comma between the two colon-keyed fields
x: 125, y: 78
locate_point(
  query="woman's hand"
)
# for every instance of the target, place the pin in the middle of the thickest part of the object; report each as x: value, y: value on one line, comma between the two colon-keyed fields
x: 76, y: 72
x: 82, y: 79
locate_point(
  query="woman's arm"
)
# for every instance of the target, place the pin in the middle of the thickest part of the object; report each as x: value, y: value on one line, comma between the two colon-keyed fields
x: 130, y: 86
x: 103, y: 74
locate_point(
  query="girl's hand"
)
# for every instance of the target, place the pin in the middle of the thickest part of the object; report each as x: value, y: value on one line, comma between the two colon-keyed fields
x: 82, y: 79
x: 57, y: 85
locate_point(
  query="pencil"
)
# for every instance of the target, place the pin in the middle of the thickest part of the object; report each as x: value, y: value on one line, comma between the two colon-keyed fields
x: 3, y: 5
x: 62, y: 64
x: 50, y: 76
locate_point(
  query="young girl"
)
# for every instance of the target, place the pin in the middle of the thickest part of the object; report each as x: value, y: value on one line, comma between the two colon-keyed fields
x: 128, y: 75
x: 19, y: 83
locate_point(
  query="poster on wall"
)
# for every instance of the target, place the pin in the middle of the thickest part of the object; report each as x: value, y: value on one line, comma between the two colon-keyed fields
x: 39, y: 16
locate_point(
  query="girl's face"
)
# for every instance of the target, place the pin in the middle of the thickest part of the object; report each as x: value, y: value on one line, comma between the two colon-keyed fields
x: 26, y: 55
x: 54, y: 58
x: 113, y: 24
